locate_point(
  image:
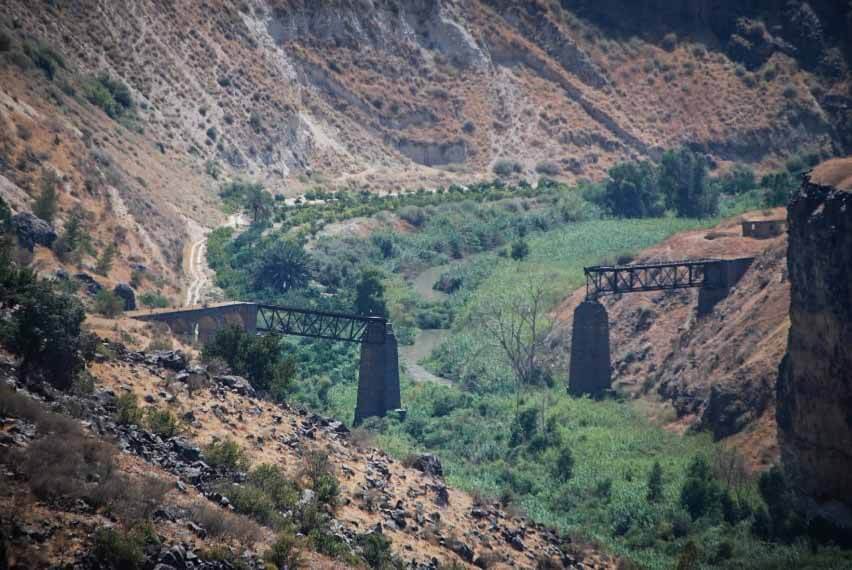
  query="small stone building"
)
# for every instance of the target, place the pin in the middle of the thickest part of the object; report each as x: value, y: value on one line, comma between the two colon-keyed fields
x: 764, y: 229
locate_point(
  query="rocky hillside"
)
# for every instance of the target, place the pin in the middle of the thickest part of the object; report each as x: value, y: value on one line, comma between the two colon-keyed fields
x: 201, y: 515
x: 716, y: 372
x: 140, y: 109
x: 814, y: 389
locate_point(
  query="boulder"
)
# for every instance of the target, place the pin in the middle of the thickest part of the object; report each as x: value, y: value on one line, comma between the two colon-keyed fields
x: 32, y: 231
x: 236, y: 383
x: 429, y: 464
x: 125, y: 292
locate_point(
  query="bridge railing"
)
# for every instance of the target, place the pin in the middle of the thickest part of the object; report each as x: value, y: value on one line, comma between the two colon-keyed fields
x: 272, y: 319
x: 660, y: 276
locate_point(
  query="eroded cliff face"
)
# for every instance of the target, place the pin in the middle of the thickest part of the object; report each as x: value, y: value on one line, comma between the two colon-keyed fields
x: 815, y: 379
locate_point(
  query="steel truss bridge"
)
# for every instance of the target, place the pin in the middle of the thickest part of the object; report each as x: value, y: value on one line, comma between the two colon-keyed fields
x: 273, y: 319
x: 662, y: 276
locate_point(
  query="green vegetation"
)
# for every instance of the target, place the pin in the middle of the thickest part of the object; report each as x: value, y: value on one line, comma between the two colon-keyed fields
x: 47, y: 202
x: 108, y: 304
x: 111, y: 95
x: 259, y: 359
x: 154, y: 300
x: 162, y: 422
x: 506, y: 428
x: 48, y: 60
x: 75, y: 243
x: 228, y: 454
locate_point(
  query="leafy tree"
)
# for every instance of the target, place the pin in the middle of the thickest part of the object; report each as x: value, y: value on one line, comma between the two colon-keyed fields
x: 520, y: 250
x: 683, y: 180
x: 76, y: 241
x: 258, y: 202
x: 104, y: 263
x: 631, y: 191
x: 370, y: 293
x: 564, y: 466
x: 258, y: 358
x: 739, y: 180
x: 281, y: 266
x: 655, y: 483
x: 779, y: 188
x: 47, y: 203
x: 700, y: 494
x: 108, y: 303
x: 46, y: 334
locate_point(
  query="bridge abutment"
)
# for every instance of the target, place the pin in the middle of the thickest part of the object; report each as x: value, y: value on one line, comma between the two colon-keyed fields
x: 719, y: 278
x: 590, y: 371
x: 378, y: 374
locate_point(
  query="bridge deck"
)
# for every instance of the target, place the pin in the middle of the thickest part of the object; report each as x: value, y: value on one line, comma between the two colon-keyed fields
x: 658, y: 276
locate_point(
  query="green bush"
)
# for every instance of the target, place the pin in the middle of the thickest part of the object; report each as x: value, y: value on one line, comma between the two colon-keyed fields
x: 45, y: 330
x: 376, y: 550
x: 520, y: 250
x: 45, y: 58
x: 701, y: 494
x: 285, y: 552
x: 127, y: 410
x: 108, y: 304
x: 631, y: 191
x: 111, y: 95
x: 506, y: 167
x: 47, y: 203
x: 283, y: 492
x: 253, y: 502
x: 260, y: 359
x: 153, y: 300
x: 162, y: 422
x: 655, y: 483
x: 226, y: 453
x: 116, y: 549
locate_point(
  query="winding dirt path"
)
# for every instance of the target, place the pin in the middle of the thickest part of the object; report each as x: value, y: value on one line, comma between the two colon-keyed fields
x: 198, y: 273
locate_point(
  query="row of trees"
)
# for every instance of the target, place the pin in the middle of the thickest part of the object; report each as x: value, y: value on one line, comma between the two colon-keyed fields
x: 640, y: 189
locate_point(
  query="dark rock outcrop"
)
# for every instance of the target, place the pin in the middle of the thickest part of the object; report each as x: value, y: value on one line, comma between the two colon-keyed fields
x: 429, y: 464
x: 32, y: 231
x: 814, y: 389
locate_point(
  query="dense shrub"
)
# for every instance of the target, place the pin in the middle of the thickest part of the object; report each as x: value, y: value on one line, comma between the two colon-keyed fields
x: 682, y: 178
x: 47, y: 203
x: 162, y: 422
x: 655, y: 483
x: 370, y: 293
x: 631, y: 191
x: 45, y: 331
x: 520, y: 250
x: 111, y: 95
x: 45, y: 58
x: 227, y: 454
x: 116, y: 549
x: 108, y: 303
x: 376, y: 550
x: 548, y: 168
x: 506, y: 167
x: 701, y: 493
x: 260, y: 359
x: 285, y: 552
x: 153, y: 300
x: 127, y: 410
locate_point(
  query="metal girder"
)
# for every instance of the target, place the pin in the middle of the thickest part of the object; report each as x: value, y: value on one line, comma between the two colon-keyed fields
x: 616, y: 279
x: 320, y: 324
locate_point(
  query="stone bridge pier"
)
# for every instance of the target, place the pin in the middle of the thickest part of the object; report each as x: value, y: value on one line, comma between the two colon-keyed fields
x: 378, y: 375
x: 590, y: 370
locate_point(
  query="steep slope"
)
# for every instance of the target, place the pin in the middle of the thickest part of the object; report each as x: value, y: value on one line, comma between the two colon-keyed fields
x: 718, y: 372
x: 814, y: 388
x: 429, y: 525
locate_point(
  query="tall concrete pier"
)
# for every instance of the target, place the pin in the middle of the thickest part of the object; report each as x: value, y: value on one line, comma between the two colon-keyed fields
x: 590, y: 371
x: 378, y: 375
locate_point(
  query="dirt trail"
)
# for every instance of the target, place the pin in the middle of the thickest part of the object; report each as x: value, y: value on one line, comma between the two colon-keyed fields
x: 197, y: 271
